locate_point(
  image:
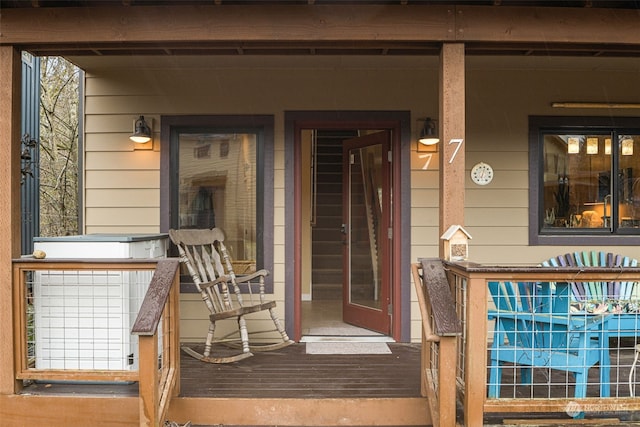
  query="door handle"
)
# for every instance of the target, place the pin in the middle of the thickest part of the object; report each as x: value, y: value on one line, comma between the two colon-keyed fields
x: 343, y: 228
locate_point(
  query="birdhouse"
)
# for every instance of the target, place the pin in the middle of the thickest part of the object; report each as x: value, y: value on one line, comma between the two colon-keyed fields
x: 456, y: 247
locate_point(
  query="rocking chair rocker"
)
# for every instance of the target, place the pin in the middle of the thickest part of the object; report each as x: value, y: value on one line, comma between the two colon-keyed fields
x: 203, y: 252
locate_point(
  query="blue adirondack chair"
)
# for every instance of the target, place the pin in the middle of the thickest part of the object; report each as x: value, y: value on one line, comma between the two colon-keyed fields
x: 621, y: 298
x: 598, y: 291
x: 529, y: 333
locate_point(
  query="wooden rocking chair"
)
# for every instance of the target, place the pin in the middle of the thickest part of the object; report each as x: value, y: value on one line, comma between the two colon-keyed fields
x: 203, y: 252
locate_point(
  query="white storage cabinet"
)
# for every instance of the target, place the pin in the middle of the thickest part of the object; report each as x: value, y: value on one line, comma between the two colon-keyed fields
x: 83, y: 320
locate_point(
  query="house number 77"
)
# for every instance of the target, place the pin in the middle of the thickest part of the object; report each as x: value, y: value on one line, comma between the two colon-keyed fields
x: 458, y: 141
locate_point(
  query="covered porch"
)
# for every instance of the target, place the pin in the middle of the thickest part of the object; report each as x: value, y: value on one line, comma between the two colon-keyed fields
x: 443, y: 381
x: 431, y: 43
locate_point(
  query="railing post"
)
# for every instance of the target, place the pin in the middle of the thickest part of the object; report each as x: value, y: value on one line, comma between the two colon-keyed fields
x: 475, y: 351
x: 149, y: 380
x: 161, y: 298
x: 440, y: 327
x: 447, y: 381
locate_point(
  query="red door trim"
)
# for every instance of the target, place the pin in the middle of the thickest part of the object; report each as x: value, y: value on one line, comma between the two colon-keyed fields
x: 396, y: 147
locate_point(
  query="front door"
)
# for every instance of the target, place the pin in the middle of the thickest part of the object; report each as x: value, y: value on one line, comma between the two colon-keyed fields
x: 365, y: 231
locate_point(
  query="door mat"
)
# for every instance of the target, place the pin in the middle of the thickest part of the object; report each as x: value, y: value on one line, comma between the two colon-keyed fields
x: 347, y: 348
x: 342, y: 330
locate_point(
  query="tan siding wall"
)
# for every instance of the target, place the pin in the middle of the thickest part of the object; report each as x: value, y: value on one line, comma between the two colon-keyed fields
x: 499, y: 103
x: 501, y: 94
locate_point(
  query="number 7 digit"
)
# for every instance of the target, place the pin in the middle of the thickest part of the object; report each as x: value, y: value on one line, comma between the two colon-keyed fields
x: 426, y: 163
x: 458, y: 141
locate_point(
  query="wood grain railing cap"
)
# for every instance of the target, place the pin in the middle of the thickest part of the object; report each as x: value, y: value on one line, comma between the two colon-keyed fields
x: 436, y: 286
x: 156, y: 297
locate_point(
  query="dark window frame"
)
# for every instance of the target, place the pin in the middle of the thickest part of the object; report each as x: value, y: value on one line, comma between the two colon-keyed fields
x: 540, y: 125
x: 263, y: 126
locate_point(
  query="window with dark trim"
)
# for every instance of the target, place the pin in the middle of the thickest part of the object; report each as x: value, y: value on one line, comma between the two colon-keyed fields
x: 221, y: 175
x: 584, y: 180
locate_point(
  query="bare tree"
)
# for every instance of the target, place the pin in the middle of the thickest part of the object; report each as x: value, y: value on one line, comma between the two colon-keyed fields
x: 58, y: 147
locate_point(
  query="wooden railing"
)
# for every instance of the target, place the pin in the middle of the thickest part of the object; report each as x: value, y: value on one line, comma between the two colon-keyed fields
x: 469, y: 286
x: 161, y: 302
x: 158, y: 373
x: 440, y: 331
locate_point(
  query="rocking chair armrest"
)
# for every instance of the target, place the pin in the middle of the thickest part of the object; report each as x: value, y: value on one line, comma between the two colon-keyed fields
x: 216, y: 282
x: 250, y: 277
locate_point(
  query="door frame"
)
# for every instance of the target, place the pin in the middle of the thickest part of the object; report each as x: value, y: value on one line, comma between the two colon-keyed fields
x: 399, y: 122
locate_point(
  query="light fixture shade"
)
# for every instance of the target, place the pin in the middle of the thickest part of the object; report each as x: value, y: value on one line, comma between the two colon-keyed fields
x: 429, y: 133
x: 592, y: 145
x: 573, y: 146
x: 627, y: 147
x: 142, y: 131
x: 607, y: 146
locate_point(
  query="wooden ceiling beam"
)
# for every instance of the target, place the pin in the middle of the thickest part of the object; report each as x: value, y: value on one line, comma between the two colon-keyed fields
x: 158, y: 24
x: 549, y: 25
x: 343, y: 24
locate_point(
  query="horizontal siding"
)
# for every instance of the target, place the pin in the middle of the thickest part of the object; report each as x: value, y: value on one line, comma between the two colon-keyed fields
x: 501, y: 160
x: 119, y: 229
x: 497, y: 197
x: 123, y: 197
x: 424, y: 179
x: 495, y: 217
x: 509, y: 236
x: 499, y: 101
x: 502, y: 179
x: 424, y: 198
x: 117, y: 179
x: 425, y: 217
x: 111, y: 141
x: 139, y: 160
x: 124, y: 216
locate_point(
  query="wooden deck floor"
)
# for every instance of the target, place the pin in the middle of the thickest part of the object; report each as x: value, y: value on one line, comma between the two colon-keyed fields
x: 285, y: 373
x: 291, y: 373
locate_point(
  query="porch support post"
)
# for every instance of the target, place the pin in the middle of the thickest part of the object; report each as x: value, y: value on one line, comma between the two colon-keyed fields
x: 452, y: 134
x: 10, y: 207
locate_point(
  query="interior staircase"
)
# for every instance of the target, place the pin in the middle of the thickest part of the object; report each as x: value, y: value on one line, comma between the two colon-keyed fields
x: 326, y: 235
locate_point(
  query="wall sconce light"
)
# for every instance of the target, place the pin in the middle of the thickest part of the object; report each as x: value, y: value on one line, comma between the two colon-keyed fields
x: 607, y: 146
x: 573, y: 146
x: 141, y: 131
x: 592, y: 145
x: 428, y: 136
x: 627, y: 147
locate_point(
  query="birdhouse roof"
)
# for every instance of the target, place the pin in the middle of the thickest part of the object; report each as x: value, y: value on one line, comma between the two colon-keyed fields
x: 451, y: 232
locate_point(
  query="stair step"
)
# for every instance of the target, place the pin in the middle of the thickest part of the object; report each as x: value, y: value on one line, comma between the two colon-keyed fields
x: 328, y: 234
x: 327, y: 262
x: 327, y: 276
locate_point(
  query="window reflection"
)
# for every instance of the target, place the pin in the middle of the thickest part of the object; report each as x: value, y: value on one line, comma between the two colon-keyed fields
x: 579, y: 191
x: 217, y: 188
x: 629, y: 173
